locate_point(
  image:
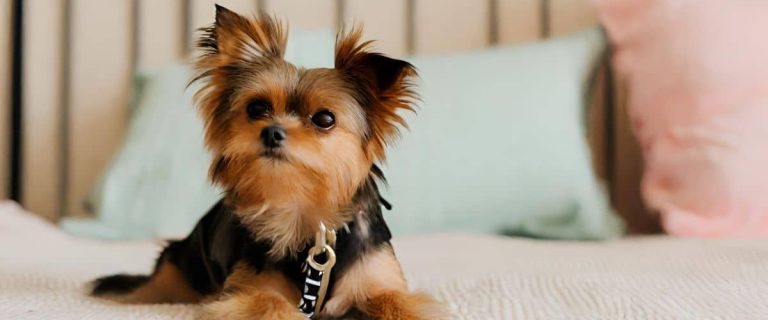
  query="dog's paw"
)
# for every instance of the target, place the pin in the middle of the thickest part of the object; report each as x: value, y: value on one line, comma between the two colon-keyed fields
x: 252, y: 306
x: 398, y: 305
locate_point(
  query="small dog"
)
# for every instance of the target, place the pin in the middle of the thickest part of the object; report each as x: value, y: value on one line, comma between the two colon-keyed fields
x: 292, y: 148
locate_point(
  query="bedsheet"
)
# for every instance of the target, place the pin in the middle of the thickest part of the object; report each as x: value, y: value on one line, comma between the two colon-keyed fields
x: 43, y: 272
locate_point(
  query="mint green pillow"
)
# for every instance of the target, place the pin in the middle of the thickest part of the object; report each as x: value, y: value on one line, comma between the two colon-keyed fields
x: 498, y: 145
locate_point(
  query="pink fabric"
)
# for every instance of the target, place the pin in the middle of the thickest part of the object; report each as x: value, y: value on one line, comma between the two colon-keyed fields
x: 697, y: 72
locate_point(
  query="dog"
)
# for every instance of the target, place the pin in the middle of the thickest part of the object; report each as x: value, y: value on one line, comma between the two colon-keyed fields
x: 294, y: 151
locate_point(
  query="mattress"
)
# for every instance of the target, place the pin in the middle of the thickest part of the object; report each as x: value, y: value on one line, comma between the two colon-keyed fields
x: 43, y: 272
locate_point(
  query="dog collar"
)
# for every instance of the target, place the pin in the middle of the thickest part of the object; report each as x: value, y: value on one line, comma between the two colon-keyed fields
x: 317, y: 270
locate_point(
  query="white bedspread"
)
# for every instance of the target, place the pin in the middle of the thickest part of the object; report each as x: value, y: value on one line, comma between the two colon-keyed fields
x: 42, y: 273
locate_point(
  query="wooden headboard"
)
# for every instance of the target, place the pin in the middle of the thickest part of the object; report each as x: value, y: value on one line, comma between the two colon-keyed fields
x: 6, y: 31
x: 70, y: 77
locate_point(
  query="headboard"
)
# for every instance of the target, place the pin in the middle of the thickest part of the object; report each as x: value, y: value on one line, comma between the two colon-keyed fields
x: 72, y: 72
x: 6, y: 31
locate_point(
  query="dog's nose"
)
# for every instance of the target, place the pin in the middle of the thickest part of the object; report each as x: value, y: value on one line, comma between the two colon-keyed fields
x: 272, y: 136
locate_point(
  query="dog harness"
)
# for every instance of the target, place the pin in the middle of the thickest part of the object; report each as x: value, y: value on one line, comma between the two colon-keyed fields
x: 317, y: 270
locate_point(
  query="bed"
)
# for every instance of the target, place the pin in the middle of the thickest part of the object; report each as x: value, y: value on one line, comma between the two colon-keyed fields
x: 44, y: 272
x: 80, y: 117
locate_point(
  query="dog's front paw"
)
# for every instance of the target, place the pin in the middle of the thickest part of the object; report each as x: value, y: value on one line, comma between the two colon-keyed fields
x: 400, y: 305
x: 252, y: 306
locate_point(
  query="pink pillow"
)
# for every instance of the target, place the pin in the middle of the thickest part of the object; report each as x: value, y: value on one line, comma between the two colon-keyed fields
x: 697, y: 72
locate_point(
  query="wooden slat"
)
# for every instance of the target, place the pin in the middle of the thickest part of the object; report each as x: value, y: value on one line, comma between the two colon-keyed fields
x: 203, y: 13
x: 616, y: 154
x: 161, y: 32
x: 305, y: 15
x: 5, y: 97
x: 384, y: 21
x: 567, y: 16
x: 450, y: 25
x: 598, y: 127
x: 42, y: 106
x: 518, y: 20
x: 100, y: 73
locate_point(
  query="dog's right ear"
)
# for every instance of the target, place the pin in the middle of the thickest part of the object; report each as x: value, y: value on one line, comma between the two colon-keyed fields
x: 234, y: 37
x: 230, y: 40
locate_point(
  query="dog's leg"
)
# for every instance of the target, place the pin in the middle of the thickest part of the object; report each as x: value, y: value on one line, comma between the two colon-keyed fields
x: 249, y: 294
x: 187, y: 271
x: 167, y: 284
x: 375, y: 286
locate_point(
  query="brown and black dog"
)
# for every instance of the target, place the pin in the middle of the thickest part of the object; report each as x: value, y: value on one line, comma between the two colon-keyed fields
x: 292, y: 148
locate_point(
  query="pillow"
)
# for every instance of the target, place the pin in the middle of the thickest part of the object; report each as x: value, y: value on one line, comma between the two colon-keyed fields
x: 156, y: 185
x: 698, y: 77
x: 498, y: 145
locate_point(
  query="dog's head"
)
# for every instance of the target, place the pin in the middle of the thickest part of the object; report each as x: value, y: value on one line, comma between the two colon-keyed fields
x: 287, y: 136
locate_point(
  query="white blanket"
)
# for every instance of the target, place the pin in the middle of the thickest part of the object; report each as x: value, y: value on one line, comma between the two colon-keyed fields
x: 42, y: 272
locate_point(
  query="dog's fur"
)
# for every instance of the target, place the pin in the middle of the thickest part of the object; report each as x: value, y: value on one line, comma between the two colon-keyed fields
x: 244, y: 257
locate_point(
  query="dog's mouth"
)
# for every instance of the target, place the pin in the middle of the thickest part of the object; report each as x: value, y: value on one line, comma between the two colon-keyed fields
x: 273, y: 154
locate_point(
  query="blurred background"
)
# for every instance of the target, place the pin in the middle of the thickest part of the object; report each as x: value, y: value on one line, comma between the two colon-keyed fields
x: 96, y: 122
x: 70, y: 96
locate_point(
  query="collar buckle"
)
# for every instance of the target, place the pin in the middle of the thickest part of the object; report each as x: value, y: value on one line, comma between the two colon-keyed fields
x: 318, y: 274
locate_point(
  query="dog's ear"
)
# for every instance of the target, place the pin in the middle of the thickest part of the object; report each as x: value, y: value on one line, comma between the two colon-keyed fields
x: 231, y: 39
x: 384, y: 86
x: 235, y: 37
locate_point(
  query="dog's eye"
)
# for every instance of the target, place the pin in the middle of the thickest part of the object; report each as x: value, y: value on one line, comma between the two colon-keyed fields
x: 257, y: 109
x: 324, y: 119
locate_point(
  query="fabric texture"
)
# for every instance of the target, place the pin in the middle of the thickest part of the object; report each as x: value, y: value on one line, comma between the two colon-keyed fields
x: 479, y: 277
x: 498, y: 145
x: 698, y: 77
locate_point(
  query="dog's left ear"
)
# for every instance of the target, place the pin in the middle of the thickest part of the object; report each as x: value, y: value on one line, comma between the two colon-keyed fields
x: 384, y: 86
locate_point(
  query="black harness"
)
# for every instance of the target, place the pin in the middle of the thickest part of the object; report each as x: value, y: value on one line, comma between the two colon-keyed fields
x: 209, y: 254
